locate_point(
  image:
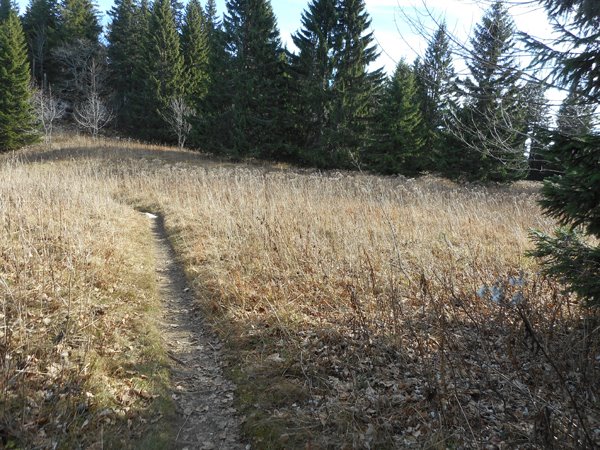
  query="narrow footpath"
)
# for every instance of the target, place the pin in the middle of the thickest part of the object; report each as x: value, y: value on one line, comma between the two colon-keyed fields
x: 206, y: 417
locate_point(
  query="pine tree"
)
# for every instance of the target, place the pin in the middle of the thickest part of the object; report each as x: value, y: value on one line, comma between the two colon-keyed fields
x: 437, y: 92
x: 195, y: 47
x: 124, y: 51
x: 573, y: 198
x: 79, y: 21
x: 537, y: 129
x: 211, y: 127
x: 16, y: 114
x: 132, y: 117
x: 40, y: 24
x: 355, y: 87
x: 313, y: 69
x: 164, y: 69
x: 575, y: 117
x: 400, y: 144
x: 210, y: 13
x: 492, y: 121
x: 256, y: 114
x: 6, y: 6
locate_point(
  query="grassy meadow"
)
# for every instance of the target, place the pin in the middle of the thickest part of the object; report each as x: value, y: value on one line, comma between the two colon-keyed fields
x: 358, y: 311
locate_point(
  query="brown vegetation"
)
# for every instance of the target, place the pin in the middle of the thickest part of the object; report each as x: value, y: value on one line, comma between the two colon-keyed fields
x: 353, y: 306
x: 81, y: 363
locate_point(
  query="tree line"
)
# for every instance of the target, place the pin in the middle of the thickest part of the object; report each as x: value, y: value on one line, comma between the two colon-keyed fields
x: 169, y: 73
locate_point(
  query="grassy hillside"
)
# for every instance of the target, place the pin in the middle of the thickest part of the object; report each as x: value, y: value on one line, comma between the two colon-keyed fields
x: 358, y: 311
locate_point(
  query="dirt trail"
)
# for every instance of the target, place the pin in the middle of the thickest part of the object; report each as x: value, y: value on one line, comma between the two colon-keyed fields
x: 206, y: 416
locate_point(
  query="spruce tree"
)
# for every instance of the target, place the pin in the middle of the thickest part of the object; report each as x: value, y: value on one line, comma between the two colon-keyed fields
x: 400, y: 144
x: 40, y: 24
x: 537, y: 129
x: 313, y: 69
x: 164, y: 69
x: 492, y: 120
x: 575, y: 117
x: 16, y: 114
x: 355, y: 87
x: 210, y: 13
x: 573, y: 198
x: 255, y: 115
x: 437, y: 92
x: 132, y: 116
x: 6, y: 6
x: 123, y: 53
x: 211, y: 129
x: 78, y: 56
x: 195, y: 47
x: 79, y: 21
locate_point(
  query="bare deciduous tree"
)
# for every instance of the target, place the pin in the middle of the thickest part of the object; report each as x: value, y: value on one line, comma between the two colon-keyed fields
x: 92, y: 114
x: 48, y: 109
x: 75, y: 61
x: 177, y: 117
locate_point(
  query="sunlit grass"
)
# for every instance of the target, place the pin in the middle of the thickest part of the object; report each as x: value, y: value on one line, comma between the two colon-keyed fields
x: 348, y: 301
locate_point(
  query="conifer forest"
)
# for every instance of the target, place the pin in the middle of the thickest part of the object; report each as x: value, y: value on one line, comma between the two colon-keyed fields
x: 168, y: 73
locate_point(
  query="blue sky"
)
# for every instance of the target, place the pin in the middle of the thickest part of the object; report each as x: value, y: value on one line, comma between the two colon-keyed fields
x: 392, y: 30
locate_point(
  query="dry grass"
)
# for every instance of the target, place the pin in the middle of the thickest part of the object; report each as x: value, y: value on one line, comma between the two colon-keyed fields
x: 80, y: 361
x: 350, y: 301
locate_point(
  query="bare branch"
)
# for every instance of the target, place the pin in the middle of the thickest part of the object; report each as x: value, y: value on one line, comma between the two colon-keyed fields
x: 93, y: 115
x: 48, y: 110
x: 178, y: 116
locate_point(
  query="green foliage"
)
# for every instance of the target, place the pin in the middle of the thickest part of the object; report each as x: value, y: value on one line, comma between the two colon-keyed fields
x: 40, y: 24
x: 313, y: 70
x: 16, y: 116
x: 6, y: 6
x: 575, y: 117
x: 196, y: 49
x: 400, y: 146
x: 127, y: 35
x: 492, y: 120
x: 78, y: 21
x: 573, y: 198
x: 537, y: 130
x: 132, y: 117
x: 335, y: 92
x: 569, y: 258
x: 164, y: 72
x: 355, y: 87
x: 255, y: 97
x: 210, y: 13
x: 78, y: 57
x: 210, y: 128
x: 576, y: 24
x: 438, y: 94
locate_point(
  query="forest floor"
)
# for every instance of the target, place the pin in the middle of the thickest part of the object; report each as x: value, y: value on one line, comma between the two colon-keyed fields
x: 279, y: 308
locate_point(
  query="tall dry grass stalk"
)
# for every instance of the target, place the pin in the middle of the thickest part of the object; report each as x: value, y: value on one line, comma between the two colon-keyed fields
x: 363, y: 311
x: 75, y: 277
